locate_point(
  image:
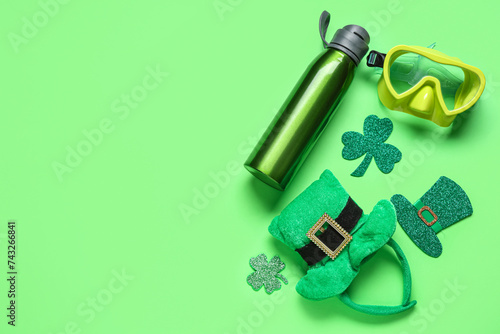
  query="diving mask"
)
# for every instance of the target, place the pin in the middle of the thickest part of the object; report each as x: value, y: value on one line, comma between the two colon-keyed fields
x: 426, y: 83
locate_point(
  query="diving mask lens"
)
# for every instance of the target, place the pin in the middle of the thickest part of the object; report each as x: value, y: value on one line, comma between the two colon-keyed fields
x: 408, y: 69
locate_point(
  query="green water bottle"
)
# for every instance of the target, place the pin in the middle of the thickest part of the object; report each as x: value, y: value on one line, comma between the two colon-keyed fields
x: 309, y: 107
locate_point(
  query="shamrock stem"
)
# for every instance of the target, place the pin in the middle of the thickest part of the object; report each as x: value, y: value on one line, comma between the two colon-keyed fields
x: 282, y: 278
x: 360, y: 171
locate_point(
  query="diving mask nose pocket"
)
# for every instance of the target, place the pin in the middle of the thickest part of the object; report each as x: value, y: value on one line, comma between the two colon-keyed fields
x: 423, y: 101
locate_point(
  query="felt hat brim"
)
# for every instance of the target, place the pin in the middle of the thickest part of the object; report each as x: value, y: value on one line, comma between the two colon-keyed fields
x: 422, y: 235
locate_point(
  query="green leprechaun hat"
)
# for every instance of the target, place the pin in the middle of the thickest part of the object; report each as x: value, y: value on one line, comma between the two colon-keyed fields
x: 333, y: 235
x: 444, y: 204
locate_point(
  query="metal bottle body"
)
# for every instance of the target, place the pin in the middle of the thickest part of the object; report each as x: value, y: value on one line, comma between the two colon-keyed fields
x: 302, y: 118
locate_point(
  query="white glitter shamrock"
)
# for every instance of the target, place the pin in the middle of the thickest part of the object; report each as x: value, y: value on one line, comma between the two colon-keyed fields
x: 266, y: 274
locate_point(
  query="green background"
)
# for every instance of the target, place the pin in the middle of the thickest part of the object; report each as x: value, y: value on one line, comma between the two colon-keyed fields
x: 120, y: 239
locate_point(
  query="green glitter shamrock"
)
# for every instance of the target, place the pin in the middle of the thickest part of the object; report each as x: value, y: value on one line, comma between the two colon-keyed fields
x: 376, y: 131
x: 266, y: 274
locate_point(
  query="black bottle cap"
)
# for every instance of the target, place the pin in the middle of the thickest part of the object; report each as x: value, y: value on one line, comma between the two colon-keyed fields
x: 353, y: 40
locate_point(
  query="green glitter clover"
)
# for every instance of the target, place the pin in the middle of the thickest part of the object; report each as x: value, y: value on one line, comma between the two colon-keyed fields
x: 266, y: 274
x: 376, y: 131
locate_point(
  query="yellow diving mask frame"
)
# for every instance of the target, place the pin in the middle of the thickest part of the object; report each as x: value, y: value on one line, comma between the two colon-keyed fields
x: 426, y: 83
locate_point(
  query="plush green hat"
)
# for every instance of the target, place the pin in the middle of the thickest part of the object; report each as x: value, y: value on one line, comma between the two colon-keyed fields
x: 444, y: 204
x: 333, y: 235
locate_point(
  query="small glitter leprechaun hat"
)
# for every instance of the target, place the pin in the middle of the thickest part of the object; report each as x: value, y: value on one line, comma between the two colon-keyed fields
x: 444, y: 204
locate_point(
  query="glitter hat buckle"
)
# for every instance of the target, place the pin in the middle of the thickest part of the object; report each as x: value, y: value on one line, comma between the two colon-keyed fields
x: 421, y: 213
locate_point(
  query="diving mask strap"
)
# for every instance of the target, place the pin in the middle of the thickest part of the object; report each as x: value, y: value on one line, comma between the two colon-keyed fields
x: 381, y: 309
x: 375, y: 59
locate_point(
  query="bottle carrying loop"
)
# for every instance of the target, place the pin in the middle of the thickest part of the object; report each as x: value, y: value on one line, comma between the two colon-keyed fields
x: 324, y: 21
